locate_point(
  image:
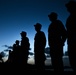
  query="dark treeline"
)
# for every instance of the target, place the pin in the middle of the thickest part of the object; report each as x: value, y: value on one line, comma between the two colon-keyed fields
x: 57, y: 35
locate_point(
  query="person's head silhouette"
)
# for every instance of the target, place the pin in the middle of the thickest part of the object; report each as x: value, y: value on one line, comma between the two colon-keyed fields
x: 23, y: 34
x: 52, y: 16
x: 17, y: 42
x: 71, y: 6
x: 37, y: 27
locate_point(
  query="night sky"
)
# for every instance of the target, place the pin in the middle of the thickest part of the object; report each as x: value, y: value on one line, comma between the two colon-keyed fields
x: 21, y: 15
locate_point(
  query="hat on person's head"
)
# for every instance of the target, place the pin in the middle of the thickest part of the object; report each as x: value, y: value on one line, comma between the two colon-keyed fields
x: 52, y: 14
x: 23, y: 33
x: 38, y: 25
x: 17, y: 41
x: 71, y: 4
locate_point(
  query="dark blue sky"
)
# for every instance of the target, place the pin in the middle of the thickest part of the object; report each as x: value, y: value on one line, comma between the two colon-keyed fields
x: 19, y: 15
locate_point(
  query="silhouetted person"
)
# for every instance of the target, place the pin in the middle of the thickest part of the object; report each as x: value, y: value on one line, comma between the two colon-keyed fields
x: 16, y: 52
x: 71, y: 32
x: 9, y: 57
x: 14, y: 57
x: 56, y: 39
x: 39, y: 47
x: 25, y: 45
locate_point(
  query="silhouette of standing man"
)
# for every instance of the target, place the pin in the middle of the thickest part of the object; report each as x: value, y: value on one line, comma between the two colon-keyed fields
x: 25, y: 45
x: 71, y: 33
x: 56, y: 39
x: 39, y: 47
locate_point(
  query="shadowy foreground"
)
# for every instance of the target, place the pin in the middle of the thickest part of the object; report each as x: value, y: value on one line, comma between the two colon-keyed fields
x: 31, y: 69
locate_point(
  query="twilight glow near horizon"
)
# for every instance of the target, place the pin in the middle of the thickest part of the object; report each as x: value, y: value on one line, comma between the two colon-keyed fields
x: 21, y: 15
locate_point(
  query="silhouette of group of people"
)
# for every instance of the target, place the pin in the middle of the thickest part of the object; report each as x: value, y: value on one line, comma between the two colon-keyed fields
x: 20, y: 52
x: 57, y: 35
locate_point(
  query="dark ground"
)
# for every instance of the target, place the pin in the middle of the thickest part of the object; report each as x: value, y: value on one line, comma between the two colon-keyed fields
x: 11, y: 68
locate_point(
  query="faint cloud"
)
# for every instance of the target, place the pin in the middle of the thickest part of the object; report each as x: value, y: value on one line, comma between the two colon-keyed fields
x: 9, y: 47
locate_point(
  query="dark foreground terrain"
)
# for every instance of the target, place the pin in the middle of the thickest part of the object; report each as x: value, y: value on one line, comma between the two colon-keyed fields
x: 31, y: 69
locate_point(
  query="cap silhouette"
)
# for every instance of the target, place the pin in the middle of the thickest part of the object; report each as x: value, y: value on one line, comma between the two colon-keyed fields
x: 17, y: 41
x: 52, y: 14
x: 38, y: 25
x: 23, y: 33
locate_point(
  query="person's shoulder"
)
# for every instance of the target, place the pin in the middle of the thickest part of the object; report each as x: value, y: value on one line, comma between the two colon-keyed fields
x: 14, y: 45
x: 27, y: 38
x: 59, y: 21
x: 42, y: 32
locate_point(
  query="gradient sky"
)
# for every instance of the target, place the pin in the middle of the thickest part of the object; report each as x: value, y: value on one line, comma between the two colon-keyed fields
x: 21, y: 15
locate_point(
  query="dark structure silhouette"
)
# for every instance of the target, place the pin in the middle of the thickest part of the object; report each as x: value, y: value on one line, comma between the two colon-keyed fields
x: 25, y: 46
x: 71, y: 32
x: 39, y: 47
x: 56, y: 39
